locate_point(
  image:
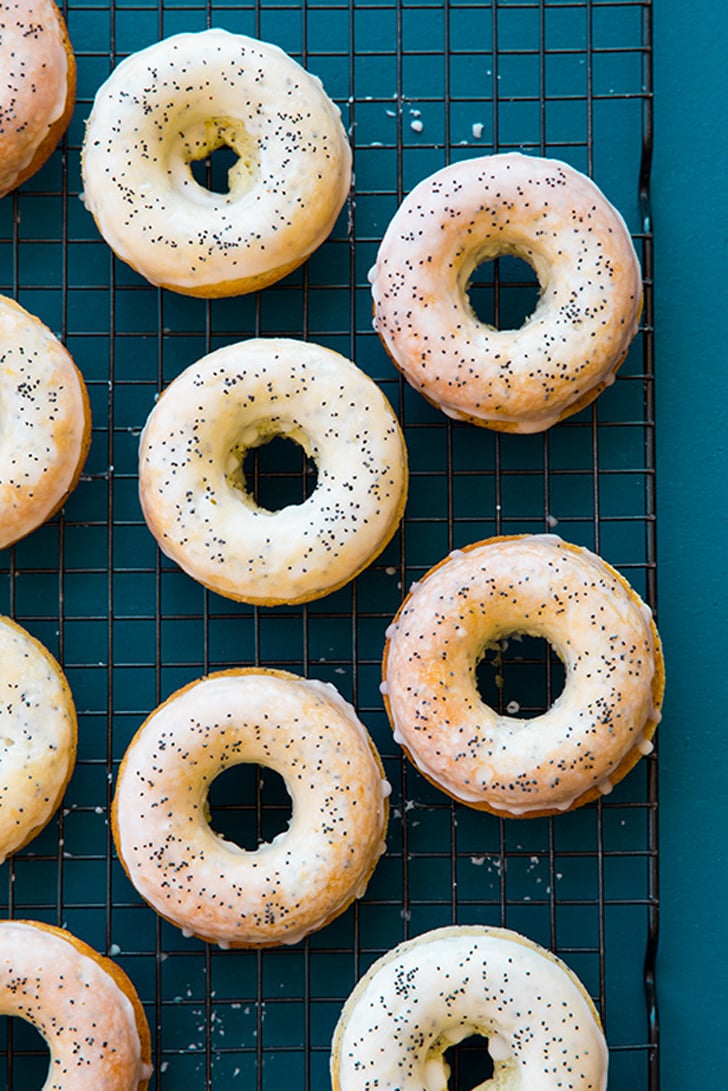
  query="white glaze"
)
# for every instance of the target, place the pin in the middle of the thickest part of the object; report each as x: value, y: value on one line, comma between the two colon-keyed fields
x: 194, y: 496
x: 178, y: 101
x: 547, y: 588
x: 212, y: 888
x: 37, y: 736
x: 87, y: 1020
x: 442, y: 987
x: 554, y: 218
x: 34, y: 84
x: 44, y: 422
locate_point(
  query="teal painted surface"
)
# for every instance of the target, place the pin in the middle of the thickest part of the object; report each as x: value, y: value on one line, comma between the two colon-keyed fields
x: 692, y: 411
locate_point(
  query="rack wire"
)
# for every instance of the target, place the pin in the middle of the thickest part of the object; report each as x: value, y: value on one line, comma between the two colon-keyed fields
x: 420, y: 83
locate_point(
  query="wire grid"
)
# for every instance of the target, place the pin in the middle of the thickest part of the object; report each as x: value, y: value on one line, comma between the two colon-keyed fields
x: 420, y: 83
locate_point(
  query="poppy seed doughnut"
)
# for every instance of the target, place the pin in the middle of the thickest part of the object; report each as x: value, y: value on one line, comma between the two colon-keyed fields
x: 563, y: 356
x: 37, y: 87
x: 182, y: 99
x: 594, y: 732
x: 431, y: 992
x: 296, y: 883
x: 45, y: 423
x: 195, y: 497
x: 38, y: 734
x: 83, y: 1004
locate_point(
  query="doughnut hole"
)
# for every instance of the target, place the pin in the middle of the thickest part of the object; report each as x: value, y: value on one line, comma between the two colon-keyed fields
x: 213, y: 171
x: 522, y: 677
x: 470, y: 1063
x: 29, y: 1051
x: 277, y: 472
x: 249, y: 805
x: 503, y: 292
x: 221, y: 156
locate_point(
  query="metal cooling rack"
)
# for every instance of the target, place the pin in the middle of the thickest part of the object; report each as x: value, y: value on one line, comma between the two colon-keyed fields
x: 420, y: 83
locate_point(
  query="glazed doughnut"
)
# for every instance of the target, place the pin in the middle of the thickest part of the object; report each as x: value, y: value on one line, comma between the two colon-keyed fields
x: 45, y: 423
x: 291, y: 886
x: 431, y: 992
x: 595, y: 731
x: 37, y: 87
x: 84, y: 1006
x: 179, y: 101
x: 37, y: 736
x: 195, y: 498
x: 570, y: 348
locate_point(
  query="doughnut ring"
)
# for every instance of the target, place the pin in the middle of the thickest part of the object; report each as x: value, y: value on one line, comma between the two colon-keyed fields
x: 595, y: 731
x: 291, y: 886
x: 431, y: 992
x: 195, y: 498
x: 83, y: 1004
x: 37, y: 736
x: 45, y: 423
x: 37, y: 87
x: 570, y: 348
x: 182, y: 99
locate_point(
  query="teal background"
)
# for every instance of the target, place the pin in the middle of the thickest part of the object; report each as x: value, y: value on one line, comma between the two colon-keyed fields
x: 689, y: 192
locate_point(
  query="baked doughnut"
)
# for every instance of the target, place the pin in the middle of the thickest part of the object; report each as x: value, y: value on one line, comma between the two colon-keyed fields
x: 84, y: 1006
x: 45, y: 423
x: 293, y: 885
x: 37, y: 736
x: 563, y: 356
x: 431, y: 992
x: 595, y: 731
x: 37, y: 87
x: 195, y: 497
x: 179, y: 101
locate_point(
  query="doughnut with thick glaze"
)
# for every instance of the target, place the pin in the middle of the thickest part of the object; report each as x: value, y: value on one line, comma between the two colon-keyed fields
x: 83, y: 1004
x: 38, y: 732
x: 595, y: 731
x: 568, y: 351
x: 45, y: 423
x: 195, y: 497
x: 208, y: 886
x: 431, y: 992
x: 37, y: 87
x: 182, y: 99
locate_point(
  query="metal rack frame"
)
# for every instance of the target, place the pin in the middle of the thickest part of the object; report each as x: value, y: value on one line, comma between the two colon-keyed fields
x: 129, y: 628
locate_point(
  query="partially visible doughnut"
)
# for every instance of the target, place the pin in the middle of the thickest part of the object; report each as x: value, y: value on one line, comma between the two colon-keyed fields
x: 37, y: 87
x: 37, y: 736
x: 195, y: 497
x: 179, y: 101
x: 83, y: 1004
x: 595, y: 731
x: 431, y: 992
x: 568, y: 351
x: 211, y: 888
x: 45, y: 423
